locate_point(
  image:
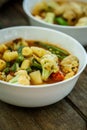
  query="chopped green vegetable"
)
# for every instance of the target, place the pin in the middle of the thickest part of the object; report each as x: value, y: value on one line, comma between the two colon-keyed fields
x: 20, y: 58
x: 7, y: 64
x: 29, y: 70
x: 6, y: 70
x: 20, y: 49
x: 18, y: 78
x: 36, y: 64
x: 15, y: 79
x: 49, y: 17
x: 54, y: 49
x: 52, y: 4
x: 61, y: 21
x: 14, y: 67
x: 49, y: 65
x: 45, y: 74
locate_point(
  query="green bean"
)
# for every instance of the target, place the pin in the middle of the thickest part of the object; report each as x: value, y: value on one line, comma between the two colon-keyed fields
x: 36, y: 65
x: 54, y: 49
x: 6, y: 70
x: 20, y: 58
x: 14, y: 67
x: 20, y: 49
x: 7, y: 64
x: 29, y: 70
x: 61, y: 21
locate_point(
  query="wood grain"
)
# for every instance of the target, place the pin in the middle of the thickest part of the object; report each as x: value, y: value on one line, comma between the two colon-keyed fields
x: 79, y: 94
x: 59, y: 116
x: 12, y: 14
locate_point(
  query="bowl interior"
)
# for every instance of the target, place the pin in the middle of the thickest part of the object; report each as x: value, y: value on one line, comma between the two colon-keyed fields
x: 33, y: 96
x: 48, y: 35
x: 79, y: 32
x: 28, y: 6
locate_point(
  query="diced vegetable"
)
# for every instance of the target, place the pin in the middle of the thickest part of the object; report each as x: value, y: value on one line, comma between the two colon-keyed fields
x: 52, y: 4
x: 36, y: 65
x: 20, y: 49
x: 36, y: 77
x: 14, y: 80
x: 6, y: 70
x: 26, y: 51
x: 61, y: 21
x: 39, y: 7
x: 3, y: 48
x: 7, y: 64
x: 49, y: 17
x: 21, y: 77
x: 38, y: 51
x: 49, y: 63
x: 59, y: 76
x: 20, y: 58
x: 25, y: 64
x: 2, y: 64
x: 10, y: 55
x: 14, y: 67
x: 29, y: 70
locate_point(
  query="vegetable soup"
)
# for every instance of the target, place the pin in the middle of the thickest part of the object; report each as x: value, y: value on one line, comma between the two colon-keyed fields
x: 61, y: 12
x: 31, y: 62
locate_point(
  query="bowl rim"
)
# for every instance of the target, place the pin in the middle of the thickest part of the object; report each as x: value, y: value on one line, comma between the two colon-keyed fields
x: 45, y: 23
x: 53, y: 84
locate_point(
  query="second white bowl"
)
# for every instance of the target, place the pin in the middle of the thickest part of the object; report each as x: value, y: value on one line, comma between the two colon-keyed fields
x: 79, y: 33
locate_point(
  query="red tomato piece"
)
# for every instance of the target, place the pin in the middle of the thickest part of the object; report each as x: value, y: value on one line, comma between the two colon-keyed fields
x: 59, y: 76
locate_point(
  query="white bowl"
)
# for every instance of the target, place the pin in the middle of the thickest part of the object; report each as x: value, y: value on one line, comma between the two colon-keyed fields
x: 41, y: 95
x: 79, y: 33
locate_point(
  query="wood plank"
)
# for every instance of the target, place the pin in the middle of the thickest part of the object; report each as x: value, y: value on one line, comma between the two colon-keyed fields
x: 10, y: 15
x: 79, y: 94
x: 59, y: 116
x: 2, y: 2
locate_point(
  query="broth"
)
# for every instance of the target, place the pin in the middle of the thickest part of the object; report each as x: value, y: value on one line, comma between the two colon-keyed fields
x: 31, y: 62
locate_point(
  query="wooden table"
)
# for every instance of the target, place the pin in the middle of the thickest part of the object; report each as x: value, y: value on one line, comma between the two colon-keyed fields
x: 68, y: 114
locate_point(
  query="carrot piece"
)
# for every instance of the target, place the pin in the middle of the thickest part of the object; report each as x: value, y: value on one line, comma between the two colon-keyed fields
x: 59, y: 76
